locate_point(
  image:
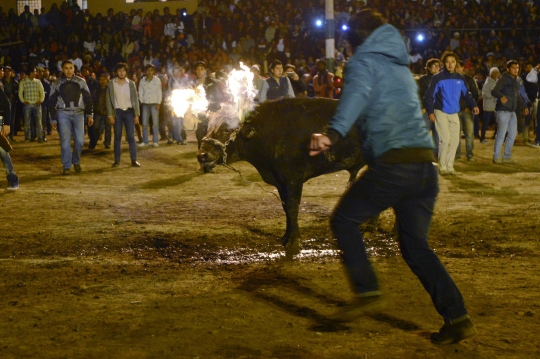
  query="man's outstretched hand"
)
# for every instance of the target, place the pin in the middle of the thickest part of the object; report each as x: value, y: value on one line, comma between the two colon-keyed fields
x: 319, y: 144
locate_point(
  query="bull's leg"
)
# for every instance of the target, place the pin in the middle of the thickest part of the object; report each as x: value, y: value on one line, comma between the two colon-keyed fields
x: 290, y: 195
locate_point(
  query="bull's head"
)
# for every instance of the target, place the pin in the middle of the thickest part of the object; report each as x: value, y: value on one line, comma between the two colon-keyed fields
x: 214, y: 147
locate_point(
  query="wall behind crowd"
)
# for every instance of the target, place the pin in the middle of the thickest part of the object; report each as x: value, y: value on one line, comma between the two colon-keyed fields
x: 102, y: 6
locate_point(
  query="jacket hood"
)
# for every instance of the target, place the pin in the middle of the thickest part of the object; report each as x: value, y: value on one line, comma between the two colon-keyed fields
x: 386, y: 41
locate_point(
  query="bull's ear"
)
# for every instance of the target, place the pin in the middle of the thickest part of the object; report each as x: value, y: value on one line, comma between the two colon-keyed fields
x: 252, y: 133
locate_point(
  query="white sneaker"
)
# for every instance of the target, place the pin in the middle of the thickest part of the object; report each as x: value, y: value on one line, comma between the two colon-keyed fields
x: 535, y: 145
x: 156, y: 144
x: 142, y: 144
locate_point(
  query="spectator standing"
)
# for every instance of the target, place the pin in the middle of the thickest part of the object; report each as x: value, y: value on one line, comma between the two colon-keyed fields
x: 433, y: 67
x: 11, y: 88
x: 398, y: 148
x: 299, y: 87
x: 123, y: 112
x: 531, y: 89
x: 5, y: 127
x: 323, y: 81
x: 507, y: 92
x: 70, y: 100
x: 150, y: 97
x: 32, y: 95
x: 442, y: 105
x: 466, y: 119
x: 276, y: 86
x: 532, y: 77
x: 45, y: 120
x: 179, y: 80
x: 489, y: 103
x: 99, y: 100
x: 257, y: 80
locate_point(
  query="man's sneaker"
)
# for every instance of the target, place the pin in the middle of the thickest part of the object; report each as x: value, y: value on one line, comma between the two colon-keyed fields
x: 471, y: 159
x: 508, y: 160
x: 107, y: 147
x: 484, y: 142
x: 156, y: 144
x: 77, y: 168
x: 13, y: 182
x: 142, y: 144
x: 359, y: 307
x: 182, y: 143
x: 170, y: 141
x: 66, y: 172
x: 443, y: 172
x: 455, y: 332
x: 535, y: 145
x: 497, y: 161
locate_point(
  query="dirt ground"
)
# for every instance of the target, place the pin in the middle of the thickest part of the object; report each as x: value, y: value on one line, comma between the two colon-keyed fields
x: 163, y: 261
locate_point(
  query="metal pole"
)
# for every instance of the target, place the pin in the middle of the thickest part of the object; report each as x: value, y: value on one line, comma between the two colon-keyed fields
x: 329, y: 27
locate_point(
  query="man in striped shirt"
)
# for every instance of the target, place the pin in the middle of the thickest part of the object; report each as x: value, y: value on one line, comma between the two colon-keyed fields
x: 32, y: 94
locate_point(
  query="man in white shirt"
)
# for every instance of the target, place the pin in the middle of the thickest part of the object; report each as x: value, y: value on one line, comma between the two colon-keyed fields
x: 123, y: 111
x: 150, y: 96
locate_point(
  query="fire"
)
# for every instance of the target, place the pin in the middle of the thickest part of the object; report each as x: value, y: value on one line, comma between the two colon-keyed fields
x: 189, y: 102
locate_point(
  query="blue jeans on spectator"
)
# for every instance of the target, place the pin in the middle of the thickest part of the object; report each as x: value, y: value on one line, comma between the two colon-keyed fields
x: 411, y: 190
x: 506, y: 122
x: 6, y: 160
x: 100, y: 122
x: 178, y: 124
x: 467, y: 126
x: 489, y: 118
x: 70, y: 123
x: 147, y: 111
x: 125, y: 119
x: 35, y: 111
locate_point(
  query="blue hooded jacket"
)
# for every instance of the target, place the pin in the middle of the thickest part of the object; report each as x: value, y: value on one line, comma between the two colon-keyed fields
x: 380, y: 96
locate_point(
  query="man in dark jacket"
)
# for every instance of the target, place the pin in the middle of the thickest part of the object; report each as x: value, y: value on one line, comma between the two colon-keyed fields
x: 276, y: 86
x: 99, y: 100
x: 466, y: 116
x: 507, y: 92
x: 5, y: 122
x: 11, y: 88
x: 433, y: 66
x: 531, y: 89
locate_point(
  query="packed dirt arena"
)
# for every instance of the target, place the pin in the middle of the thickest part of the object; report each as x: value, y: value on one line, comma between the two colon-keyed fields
x: 122, y: 236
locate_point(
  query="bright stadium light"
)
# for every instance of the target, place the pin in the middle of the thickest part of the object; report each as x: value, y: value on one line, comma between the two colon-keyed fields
x: 420, y: 37
x: 319, y: 23
x: 344, y: 28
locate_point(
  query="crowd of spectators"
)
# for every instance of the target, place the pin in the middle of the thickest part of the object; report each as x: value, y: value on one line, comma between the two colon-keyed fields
x: 223, y: 33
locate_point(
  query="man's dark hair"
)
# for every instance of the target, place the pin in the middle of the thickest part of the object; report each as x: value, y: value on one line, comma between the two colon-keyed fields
x: 104, y: 74
x: 121, y: 65
x: 199, y: 63
x: 448, y: 54
x: 511, y: 62
x: 85, y: 67
x: 361, y: 25
x: 274, y: 64
x: 149, y: 66
x: 67, y: 62
x: 432, y: 61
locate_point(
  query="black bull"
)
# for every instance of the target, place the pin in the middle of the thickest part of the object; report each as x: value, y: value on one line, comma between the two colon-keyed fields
x: 274, y: 138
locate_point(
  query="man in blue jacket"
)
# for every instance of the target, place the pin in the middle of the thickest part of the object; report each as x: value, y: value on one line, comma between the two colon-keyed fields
x: 442, y: 105
x: 380, y: 97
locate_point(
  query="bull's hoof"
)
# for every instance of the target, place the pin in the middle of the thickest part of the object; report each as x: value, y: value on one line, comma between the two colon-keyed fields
x: 292, y: 248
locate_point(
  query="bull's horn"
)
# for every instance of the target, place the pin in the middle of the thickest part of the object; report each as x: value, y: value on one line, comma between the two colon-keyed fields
x: 252, y: 133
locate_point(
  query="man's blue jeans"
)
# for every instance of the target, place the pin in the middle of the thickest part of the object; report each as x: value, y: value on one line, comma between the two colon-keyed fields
x: 100, y: 122
x: 411, y: 190
x: 178, y: 124
x: 147, y: 111
x: 506, y: 122
x: 467, y: 126
x: 70, y: 123
x: 489, y: 117
x: 6, y: 160
x: 35, y: 111
x: 125, y: 119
